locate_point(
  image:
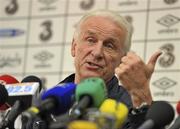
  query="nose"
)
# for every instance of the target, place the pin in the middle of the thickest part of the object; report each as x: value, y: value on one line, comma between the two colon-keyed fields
x: 97, y: 51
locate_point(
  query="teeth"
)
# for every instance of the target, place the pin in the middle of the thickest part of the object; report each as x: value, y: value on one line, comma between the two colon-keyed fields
x: 92, y: 64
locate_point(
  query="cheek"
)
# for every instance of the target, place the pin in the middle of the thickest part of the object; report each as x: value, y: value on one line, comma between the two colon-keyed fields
x: 84, y: 49
x: 114, y: 60
x: 81, y: 52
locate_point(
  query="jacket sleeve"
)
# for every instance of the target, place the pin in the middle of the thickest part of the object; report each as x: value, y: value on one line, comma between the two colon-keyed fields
x: 135, y: 118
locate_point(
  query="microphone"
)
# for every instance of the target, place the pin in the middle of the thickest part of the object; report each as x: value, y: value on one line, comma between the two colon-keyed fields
x: 32, y: 78
x: 90, y: 92
x: 178, y: 108
x: 21, y: 96
x: 176, y: 124
x: 10, y: 117
x: 117, y: 110
x: 24, y: 92
x: 160, y: 114
x: 82, y: 124
x: 35, y: 100
x: 3, y: 98
x: 3, y: 95
x: 7, y: 79
x: 56, y: 100
x: 3, y: 105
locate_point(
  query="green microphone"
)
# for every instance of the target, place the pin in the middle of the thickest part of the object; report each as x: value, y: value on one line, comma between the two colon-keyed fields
x: 90, y: 92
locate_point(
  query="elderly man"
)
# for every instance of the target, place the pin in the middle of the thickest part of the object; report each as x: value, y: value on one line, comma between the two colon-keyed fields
x: 100, y: 48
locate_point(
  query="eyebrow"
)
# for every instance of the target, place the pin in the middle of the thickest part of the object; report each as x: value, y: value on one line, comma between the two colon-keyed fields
x: 91, y: 32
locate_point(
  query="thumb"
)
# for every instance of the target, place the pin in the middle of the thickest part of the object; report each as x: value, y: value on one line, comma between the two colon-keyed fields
x: 152, y: 61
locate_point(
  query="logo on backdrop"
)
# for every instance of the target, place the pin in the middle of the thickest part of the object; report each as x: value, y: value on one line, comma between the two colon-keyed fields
x: 43, y: 57
x: 168, y: 21
x: 10, y: 60
x: 130, y: 20
x: 12, y: 7
x: 87, y: 4
x: 48, y: 5
x: 170, y: 1
x: 128, y: 3
x: 167, y: 59
x: 47, y: 32
x: 163, y: 84
x: 10, y: 32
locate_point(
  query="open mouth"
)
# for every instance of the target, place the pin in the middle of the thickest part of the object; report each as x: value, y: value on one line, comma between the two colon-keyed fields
x: 94, y: 65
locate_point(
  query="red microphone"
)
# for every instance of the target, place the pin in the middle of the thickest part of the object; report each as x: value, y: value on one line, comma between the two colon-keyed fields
x: 178, y: 108
x: 7, y: 79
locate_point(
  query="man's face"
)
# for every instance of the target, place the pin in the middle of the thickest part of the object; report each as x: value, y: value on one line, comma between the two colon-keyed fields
x: 98, y: 48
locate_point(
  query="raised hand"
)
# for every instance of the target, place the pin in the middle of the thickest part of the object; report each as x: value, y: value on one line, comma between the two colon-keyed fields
x: 135, y: 76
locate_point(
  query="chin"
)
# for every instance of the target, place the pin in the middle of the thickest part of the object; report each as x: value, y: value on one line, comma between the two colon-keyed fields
x: 91, y: 75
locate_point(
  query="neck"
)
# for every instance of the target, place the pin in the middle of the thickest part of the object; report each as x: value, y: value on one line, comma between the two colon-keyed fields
x: 77, y: 79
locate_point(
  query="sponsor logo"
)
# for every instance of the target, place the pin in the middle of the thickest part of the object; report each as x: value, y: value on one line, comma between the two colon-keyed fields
x: 170, y: 1
x: 10, y: 60
x: 128, y: 3
x: 7, y: 33
x: 167, y: 59
x: 43, y: 57
x: 87, y: 4
x: 48, y: 5
x: 163, y: 84
x: 47, y: 32
x: 168, y: 21
x: 129, y: 18
x: 12, y: 7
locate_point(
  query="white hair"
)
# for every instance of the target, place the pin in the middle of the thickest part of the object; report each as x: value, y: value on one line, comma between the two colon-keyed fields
x: 119, y: 20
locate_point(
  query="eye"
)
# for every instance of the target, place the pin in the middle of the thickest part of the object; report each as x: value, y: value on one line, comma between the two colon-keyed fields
x: 109, y: 45
x: 91, y: 39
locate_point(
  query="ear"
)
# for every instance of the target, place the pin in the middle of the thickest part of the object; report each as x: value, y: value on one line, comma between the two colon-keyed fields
x: 73, y: 46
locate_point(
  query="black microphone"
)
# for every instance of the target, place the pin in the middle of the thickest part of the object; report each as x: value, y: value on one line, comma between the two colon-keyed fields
x: 28, y: 123
x: 9, y: 119
x: 160, y: 114
x: 3, y: 95
x: 5, y: 79
x: 4, y: 106
x: 21, y: 96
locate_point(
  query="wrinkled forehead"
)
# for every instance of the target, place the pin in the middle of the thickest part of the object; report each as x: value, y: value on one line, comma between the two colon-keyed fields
x: 102, y: 26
